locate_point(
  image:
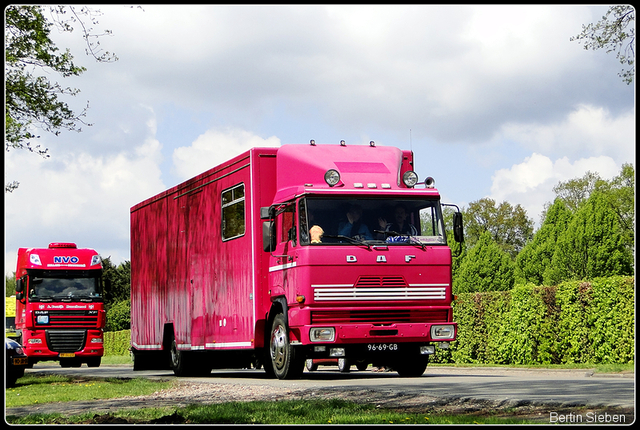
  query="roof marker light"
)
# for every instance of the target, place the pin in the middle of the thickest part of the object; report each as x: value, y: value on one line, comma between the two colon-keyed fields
x: 343, y: 143
x: 372, y: 144
x: 312, y: 142
x: 332, y: 177
x: 410, y: 178
x: 62, y: 245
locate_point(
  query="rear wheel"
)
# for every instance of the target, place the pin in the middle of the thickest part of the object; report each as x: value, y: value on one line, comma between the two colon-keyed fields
x: 343, y: 365
x: 362, y: 366
x: 311, y: 367
x: 413, y: 367
x: 179, y: 360
x: 286, y: 361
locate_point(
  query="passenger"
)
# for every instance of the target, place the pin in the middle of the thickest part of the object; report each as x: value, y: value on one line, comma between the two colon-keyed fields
x: 400, y: 225
x: 316, y: 234
x: 354, y: 227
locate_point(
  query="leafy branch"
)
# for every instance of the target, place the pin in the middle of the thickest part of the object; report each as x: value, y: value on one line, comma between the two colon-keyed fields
x: 615, y: 32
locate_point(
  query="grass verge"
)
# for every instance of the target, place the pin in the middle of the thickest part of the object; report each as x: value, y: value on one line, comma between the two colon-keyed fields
x: 261, y: 412
x: 34, y: 389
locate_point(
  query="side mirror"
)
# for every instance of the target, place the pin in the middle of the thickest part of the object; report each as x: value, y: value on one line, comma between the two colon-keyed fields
x: 268, y: 236
x: 19, y: 285
x: 19, y: 296
x: 458, y: 230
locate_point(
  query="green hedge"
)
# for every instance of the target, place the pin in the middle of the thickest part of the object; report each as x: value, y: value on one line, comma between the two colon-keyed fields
x: 574, y: 322
x: 117, y: 342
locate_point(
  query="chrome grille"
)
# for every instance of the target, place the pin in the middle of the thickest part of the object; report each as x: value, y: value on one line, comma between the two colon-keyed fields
x: 379, y: 288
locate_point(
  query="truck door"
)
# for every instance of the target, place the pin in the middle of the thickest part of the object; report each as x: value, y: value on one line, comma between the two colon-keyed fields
x: 283, y: 258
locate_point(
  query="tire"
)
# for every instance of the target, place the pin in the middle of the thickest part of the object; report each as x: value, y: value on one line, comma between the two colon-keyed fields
x: 286, y: 362
x: 94, y: 362
x: 362, y: 366
x: 413, y: 367
x: 343, y: 365
x: 310, y: 366
x: 179, y: 361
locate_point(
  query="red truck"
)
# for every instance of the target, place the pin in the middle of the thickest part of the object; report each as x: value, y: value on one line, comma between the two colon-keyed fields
x: 286, y: 254
x: 60, y: 312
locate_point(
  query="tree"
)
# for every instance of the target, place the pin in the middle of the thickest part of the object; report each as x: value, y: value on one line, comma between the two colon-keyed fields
x: 486, y: 268
x: 619, y: 192
x: 31, y: 99
x: 593, y: 245
x: 508, y: 226
x: 620, y: 195
x: 576, y: 191
x: 615, y: 32
x: 10, y: 284
x: 117, y: 281
x: 535, y: 258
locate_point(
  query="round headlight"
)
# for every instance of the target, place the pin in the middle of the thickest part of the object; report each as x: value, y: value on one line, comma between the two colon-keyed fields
x: 410, y: 178
x: 332, y: 177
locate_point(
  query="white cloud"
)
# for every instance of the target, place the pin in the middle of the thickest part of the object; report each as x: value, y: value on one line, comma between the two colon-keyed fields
x: 585, y: 130
x: 81, y: 198
x: 531, y: 182
x: 213, y: 148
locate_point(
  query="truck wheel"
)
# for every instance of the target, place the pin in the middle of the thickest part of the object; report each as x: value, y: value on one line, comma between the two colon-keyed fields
x: 413, y: 367
x: 179, y: 360
x: 94, y: 362
x: 343, y: 365
x: 310, y: 366
x: 362, y: 366
x: 286, y: 363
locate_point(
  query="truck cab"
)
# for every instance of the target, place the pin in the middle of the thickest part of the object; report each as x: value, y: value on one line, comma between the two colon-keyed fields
x: 59, y: 304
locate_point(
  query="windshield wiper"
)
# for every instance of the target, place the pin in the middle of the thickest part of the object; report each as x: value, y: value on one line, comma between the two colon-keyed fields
x: 412, y: 239
x: 350, y: 239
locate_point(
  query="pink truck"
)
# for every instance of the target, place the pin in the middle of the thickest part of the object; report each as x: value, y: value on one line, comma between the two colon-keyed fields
x: 60, y: 312
x: 286, y: 254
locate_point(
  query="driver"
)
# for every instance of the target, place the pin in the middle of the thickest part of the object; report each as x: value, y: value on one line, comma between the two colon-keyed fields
x: 400, y: 225
x: 354, y: 227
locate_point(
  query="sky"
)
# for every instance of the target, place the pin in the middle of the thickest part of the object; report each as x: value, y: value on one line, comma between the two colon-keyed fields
x: 494, y: 101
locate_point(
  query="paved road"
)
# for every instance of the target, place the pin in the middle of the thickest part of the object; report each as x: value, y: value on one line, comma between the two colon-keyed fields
x: 561, y: 387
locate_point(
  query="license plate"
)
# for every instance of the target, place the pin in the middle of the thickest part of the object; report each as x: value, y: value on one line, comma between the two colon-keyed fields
x: 67, y: 354
x: 20, y: 361
x: 382, y: 347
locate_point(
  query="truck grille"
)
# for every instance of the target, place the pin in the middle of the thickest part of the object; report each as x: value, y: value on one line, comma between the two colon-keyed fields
x: 66, y: 340
x: 379, y: 316
x: 379, y: 288
x: 87, y: 319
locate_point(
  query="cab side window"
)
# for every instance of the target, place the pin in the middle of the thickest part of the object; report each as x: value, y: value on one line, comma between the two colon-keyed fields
x: 287, y: 225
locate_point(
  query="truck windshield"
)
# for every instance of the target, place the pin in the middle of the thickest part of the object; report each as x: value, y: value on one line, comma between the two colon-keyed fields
x: 393, y: 221
x: 65, y: 286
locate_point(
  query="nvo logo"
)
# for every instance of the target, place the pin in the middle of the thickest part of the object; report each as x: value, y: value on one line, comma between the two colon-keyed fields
x: 65, y: 260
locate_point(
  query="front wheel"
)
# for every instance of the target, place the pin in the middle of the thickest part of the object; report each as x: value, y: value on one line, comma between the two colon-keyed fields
x: 286, y: 361
x: 94, y: 361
